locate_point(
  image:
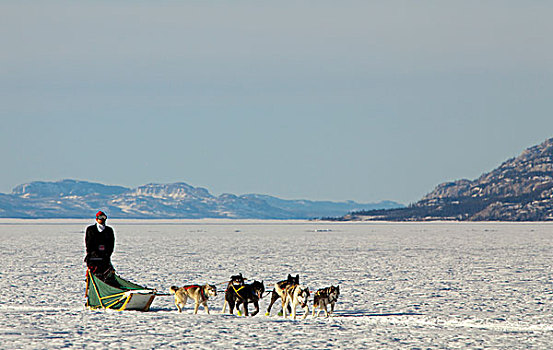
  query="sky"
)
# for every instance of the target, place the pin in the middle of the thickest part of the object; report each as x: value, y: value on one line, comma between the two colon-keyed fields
x: 321, y: 100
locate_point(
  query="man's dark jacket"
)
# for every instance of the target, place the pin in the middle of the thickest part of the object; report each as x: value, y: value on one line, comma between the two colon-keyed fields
x: 99, y: 247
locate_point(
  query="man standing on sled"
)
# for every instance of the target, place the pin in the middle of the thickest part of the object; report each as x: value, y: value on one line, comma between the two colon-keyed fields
x: 100, y: 241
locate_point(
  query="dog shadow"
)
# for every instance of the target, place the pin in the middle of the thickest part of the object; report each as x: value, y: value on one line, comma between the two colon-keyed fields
x: 366, y: 313
x: 344, y: 313
x: 187, y: 310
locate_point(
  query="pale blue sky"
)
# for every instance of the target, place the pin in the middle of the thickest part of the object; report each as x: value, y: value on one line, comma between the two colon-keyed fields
x: 336, y: 100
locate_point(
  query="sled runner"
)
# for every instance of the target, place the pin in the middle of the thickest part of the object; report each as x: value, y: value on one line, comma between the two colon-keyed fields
x: 126, y: 296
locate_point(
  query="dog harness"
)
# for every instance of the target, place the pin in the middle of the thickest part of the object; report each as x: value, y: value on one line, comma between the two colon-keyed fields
x: 241, y: 297
x: 237, y: 290
x: 202, y: 293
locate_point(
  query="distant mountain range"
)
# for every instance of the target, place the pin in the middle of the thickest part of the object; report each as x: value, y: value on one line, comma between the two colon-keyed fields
x: 82, y: 199
x: 520, y: 189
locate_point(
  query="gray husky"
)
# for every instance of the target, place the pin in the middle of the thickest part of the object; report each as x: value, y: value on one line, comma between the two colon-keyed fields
x: 323, y: 298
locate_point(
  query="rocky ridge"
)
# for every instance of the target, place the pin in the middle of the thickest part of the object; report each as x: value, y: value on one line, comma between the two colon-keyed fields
x: 520, y: 189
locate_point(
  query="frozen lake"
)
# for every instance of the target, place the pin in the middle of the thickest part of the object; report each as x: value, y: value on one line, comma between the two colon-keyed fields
x: 405, y: 286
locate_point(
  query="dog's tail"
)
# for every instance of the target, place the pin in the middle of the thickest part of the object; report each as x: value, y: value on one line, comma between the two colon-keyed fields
x: 173, y: 289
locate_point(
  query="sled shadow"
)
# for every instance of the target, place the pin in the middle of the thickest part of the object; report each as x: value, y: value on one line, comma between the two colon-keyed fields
x: 162, y: 309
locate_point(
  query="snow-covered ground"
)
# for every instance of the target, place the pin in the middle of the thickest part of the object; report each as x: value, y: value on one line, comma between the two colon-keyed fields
x: 405, y: 286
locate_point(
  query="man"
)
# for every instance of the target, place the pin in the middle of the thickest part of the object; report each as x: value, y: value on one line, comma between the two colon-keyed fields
x: 100, y: 241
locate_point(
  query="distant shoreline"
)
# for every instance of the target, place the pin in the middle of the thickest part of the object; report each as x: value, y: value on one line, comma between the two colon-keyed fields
x: 209, y: 221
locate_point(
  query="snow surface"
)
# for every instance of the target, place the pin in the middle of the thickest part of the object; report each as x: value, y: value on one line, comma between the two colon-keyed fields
x: 404, y: 286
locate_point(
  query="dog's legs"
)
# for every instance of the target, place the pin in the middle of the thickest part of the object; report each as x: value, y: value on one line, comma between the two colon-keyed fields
x: 289, y: 309
x: 332, y: 307
x: 244, y: 304
x: 177, y: 303
x: 183, y: 302
x: 325, y: 304
x: 305, y: 311
x: 227, y: 297
x: 231, y: 306
x: 283, y: 298
x: 205, y: 307
x: 285, y: 306
x: 238, y: 303
x: 196, y: 306
x: 274, y: 298
x: 280, y: 292
x: 245, y: 308
x: 293, y: 310
x: 256, y: 304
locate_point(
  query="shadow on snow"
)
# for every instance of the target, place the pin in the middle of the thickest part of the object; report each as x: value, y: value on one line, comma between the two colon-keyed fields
x: 363, y: 313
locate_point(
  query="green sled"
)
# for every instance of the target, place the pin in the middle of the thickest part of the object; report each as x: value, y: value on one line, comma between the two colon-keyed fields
x: 126, y: 296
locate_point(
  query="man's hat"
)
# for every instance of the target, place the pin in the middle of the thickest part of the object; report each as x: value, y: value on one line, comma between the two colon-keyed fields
x: 100, y: 213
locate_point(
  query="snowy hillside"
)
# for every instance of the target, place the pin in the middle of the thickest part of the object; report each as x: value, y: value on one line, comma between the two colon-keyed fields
x: 520, y: 189
x: 81, y: 199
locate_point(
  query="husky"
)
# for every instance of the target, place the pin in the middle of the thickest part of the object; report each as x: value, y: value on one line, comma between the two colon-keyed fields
x: 247, y: 293
x: 324, y: 297
x: 295, y: 295
x: 200, y: 295
x: 278, y: 292
x: 235, y: 281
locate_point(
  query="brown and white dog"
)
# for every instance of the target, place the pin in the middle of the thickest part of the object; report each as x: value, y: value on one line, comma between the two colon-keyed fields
x: 278, y: 292
x: 324, y: 297
x: 295, y: 295
x: 200, y: 295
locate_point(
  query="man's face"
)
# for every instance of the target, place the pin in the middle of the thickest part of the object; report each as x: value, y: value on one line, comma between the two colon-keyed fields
x: 101, y: 219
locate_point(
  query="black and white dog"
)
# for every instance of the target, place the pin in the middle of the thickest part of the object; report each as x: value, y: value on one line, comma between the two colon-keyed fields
x: 278, y: 291
x: 324, y: 297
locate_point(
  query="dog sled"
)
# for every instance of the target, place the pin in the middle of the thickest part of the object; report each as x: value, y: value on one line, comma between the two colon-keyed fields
x: 125, y: 296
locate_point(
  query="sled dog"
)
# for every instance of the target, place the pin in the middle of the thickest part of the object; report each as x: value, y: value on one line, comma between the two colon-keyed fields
x: 324, y: 297
x: 236, y: 281
x: 243, y: 295
x: 278, y: 291
x: 295, y: 295
x: 200, y: 295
